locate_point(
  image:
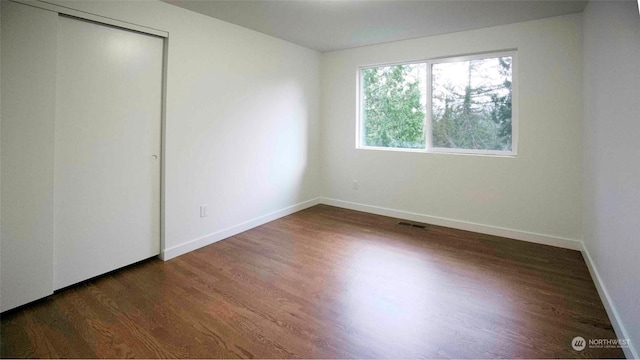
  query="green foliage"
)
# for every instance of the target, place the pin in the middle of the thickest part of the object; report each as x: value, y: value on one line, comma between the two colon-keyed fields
x: 392, y: 112
x: 475, y: 115
x: 471, y: 105
x: 502, y: 110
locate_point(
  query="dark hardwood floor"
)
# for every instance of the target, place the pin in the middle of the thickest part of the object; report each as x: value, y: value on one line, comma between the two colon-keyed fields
x: 327, y: 283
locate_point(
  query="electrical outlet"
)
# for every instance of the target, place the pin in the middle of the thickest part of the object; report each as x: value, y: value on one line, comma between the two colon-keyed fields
x: 355, y: 185
x: 204, y: 210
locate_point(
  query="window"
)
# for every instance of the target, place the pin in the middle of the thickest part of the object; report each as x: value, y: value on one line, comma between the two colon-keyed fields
x: 454, y: 105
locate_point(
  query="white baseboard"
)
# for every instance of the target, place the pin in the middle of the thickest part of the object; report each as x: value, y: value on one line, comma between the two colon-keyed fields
x: 457, y: 224
x: 194, y: 244
x: 614, y: 316
x: 208, y: 239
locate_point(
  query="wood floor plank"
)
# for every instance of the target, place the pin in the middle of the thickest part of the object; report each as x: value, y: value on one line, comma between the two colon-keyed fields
x: 327, y: 283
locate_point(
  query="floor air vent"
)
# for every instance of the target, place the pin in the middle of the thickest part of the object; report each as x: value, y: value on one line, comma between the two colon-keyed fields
x: 419, y: 226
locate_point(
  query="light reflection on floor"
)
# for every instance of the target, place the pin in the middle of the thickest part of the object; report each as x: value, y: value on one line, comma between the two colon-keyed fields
x: 393, y: 297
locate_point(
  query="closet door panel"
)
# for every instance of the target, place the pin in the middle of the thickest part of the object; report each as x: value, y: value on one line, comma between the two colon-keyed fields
x: 107, y: 145
x: 28, y: 72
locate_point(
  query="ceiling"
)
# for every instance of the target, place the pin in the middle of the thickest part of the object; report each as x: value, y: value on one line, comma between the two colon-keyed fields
x: 327, y: 25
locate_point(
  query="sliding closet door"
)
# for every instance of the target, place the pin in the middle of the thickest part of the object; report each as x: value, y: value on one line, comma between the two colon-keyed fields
x: 28, y: 106
x: 107, y: 149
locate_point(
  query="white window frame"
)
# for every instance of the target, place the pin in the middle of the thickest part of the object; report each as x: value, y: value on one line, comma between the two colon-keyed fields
x: 429, y: 148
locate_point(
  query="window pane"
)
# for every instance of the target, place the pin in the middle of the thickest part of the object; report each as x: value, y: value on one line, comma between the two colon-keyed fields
x: 471, y: 104
x: 393, y: 106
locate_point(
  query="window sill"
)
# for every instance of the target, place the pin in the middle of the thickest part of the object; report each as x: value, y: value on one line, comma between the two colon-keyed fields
x: 441, y: 151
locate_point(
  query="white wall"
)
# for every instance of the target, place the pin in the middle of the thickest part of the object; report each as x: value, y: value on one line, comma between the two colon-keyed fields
x: 241, y: 133
x: 536, y: 196
x: 241, y: 122
x: 611, y: 156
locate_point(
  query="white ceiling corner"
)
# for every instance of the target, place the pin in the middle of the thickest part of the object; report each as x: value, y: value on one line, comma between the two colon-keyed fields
x: 327, y: 25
